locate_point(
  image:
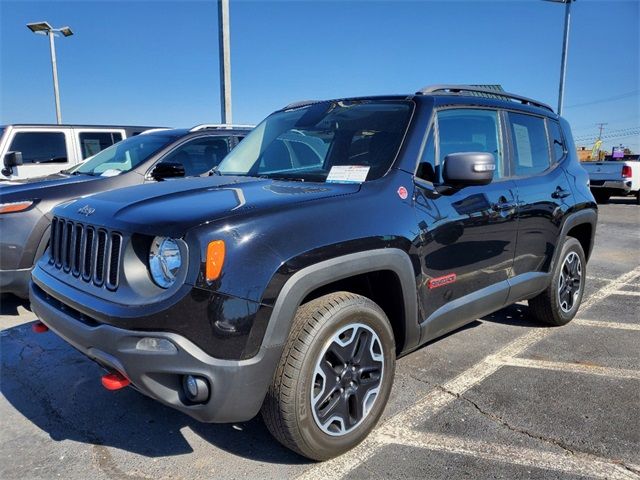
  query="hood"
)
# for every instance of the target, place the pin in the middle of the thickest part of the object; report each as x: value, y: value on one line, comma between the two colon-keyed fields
x: 172, y: 207
x: 40, y: 187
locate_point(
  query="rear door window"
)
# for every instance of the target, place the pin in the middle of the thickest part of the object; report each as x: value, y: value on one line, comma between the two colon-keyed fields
x: 530, y: 144
x: 40, y: 147
x: 94, y: 142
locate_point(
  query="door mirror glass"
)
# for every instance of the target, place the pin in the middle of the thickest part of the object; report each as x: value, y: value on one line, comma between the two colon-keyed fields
x: 166, y: 170
x: 12, y: 159
x: 468, y: 168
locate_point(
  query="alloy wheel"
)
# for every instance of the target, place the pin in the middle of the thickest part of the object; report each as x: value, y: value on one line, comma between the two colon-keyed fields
x: 347, y: 379
x: 570, y: 282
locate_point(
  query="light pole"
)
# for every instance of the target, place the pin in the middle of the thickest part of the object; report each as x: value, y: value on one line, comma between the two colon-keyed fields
x: 224, y: 45
x: 565, y: 49
x: 43, y: 28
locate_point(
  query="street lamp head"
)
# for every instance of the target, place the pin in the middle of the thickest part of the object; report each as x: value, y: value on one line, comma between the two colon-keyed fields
x: 66, y: 31
x: 40, y: 27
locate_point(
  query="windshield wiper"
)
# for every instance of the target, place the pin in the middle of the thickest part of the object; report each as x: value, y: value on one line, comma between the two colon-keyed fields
x: 282, y: 178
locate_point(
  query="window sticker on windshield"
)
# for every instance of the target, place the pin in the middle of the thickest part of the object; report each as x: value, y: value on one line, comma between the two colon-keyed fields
x: 347, y: 174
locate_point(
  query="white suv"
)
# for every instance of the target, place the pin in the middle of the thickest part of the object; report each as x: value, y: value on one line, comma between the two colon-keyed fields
x: 36, y: 150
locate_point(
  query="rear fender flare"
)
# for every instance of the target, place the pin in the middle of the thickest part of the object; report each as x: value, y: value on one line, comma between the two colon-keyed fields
x: 587, y: 216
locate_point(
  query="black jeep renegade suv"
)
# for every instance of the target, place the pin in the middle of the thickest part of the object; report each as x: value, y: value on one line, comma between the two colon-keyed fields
x: 338, y: 235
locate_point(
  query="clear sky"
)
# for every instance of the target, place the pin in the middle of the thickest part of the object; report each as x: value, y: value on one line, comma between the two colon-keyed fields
x: 156, y: 62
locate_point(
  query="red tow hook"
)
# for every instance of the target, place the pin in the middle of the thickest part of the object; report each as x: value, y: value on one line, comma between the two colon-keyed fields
x: 114, y: 381
x: 39, y: 327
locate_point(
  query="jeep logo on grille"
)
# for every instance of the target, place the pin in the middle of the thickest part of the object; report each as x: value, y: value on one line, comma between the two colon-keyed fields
x: 86, y: 210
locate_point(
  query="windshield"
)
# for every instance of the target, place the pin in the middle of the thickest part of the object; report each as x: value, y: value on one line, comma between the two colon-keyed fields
x: 125, y: 155
x: 348, y: 141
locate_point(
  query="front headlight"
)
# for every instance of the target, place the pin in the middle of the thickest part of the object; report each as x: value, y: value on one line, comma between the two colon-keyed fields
x: 164, y: 261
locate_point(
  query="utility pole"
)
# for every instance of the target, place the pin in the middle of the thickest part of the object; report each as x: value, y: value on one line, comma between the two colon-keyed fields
x: 601, y: 126
x: 599, y: 140
x: 224, y: 45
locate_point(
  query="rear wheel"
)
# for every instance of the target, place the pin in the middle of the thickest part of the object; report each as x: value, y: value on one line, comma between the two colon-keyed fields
x: 334, y: 377
x: 638, y: 197
x: 559, y: 303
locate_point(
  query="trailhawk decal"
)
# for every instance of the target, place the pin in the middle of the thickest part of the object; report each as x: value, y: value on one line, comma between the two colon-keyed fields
x: 441, y: 281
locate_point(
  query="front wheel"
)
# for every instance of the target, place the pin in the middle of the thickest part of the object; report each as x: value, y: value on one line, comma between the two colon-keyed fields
x: 334, y: 377
x: 559, y: 303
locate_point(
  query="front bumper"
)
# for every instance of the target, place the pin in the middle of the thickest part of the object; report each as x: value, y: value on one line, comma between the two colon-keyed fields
x: 237, y: 387
x: 15, y: 281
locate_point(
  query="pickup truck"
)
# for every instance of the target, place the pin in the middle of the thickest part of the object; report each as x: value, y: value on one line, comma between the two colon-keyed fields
x: 613, y: 178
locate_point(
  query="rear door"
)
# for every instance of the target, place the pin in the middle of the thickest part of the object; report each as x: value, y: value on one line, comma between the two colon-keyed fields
x: 468, y: 235
x: 537, y: 149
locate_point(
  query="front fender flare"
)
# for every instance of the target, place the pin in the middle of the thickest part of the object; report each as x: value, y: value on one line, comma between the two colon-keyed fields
x: 314, y: 276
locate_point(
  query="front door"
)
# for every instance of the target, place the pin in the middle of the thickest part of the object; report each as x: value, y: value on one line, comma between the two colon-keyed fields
x: 467, y: 235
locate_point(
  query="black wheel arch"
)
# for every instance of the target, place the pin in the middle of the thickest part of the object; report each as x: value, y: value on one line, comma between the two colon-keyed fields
x: 582, y: 226
x: 312, y: 278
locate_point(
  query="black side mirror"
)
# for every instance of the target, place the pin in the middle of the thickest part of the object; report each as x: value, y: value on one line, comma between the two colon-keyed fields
x: 167, y: 170
x: 10, y: 160
x: 468, y: 168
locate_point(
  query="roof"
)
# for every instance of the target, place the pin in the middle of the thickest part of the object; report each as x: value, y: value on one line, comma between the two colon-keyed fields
x: 73, y: 125
x: 493, y: 92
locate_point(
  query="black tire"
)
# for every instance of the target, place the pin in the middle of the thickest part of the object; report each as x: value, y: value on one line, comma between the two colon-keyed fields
x: 549, y: 307
x: 638, y: 197
x: 602, y: 197
x: 288, y: 410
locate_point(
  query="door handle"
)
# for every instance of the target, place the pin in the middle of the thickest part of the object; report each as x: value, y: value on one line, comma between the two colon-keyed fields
x: 560, y: 193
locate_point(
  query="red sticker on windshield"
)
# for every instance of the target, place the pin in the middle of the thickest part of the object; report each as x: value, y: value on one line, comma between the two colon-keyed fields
x: 402, y: 193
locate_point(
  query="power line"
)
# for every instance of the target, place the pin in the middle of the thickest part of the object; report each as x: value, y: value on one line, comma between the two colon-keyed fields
x: 605, y: 100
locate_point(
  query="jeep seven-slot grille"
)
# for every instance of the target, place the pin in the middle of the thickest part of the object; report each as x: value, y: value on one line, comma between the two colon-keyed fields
x: 85, y: 251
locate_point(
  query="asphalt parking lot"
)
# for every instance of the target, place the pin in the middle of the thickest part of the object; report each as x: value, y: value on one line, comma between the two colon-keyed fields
x: 501, y: 398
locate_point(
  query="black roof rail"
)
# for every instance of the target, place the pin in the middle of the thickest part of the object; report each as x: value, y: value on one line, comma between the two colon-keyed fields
x: 302, y: 103
x: 491, y: 93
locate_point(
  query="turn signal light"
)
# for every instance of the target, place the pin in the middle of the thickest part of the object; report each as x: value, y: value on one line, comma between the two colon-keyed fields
x: 215, y: 260
x: 15, y: 206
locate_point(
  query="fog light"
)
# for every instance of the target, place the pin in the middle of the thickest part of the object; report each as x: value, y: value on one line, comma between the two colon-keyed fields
x: 196, y: 389
x: 151, y: 344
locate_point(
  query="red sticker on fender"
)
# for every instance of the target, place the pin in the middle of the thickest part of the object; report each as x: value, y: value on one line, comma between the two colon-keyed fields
x: 441, y: 281
x: 402, y: 193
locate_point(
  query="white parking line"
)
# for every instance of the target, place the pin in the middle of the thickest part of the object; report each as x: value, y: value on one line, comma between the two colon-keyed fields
x: 440, y: 397
x: 579, y: 465
x: 600, y: 324
x: 626, y: 292
x: 570, y: 367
